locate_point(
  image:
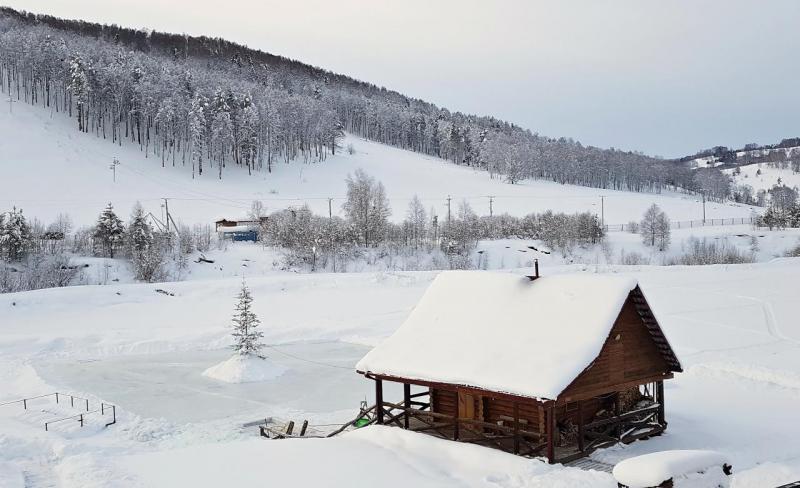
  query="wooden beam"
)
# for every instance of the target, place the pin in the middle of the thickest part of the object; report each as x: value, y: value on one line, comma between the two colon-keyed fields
x: 662, y: 419
x: 551, y: 428
x: 471, y: 390
x: 379, y: 400
x: 407, y: 402
x: 580, y: 426
x: 589, y: 394
x: 516, y: 428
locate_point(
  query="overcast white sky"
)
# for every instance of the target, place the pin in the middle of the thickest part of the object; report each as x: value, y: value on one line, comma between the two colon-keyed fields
x: 664, y: 77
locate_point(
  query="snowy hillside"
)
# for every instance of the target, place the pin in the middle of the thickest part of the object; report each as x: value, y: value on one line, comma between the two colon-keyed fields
x: 764, y: 177
x: 733, y: 328
x: 50, y: 168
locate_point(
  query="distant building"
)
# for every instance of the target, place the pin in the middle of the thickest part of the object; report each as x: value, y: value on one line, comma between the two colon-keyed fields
x: 556, y: 366
x: 239, y: 230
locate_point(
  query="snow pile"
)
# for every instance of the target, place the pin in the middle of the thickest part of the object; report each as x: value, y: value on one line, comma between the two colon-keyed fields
x: 687, y: 469
x: 244, y: 369
x: 373, y: 456
x: 503, y: 332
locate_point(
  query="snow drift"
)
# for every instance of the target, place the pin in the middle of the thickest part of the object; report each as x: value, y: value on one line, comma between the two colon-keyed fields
x: 244, y: 369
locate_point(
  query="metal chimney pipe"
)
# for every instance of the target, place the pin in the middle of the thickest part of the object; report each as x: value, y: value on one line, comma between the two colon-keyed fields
x: 535, y: 270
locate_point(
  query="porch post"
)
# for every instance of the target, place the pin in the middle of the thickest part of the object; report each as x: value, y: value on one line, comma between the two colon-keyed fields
x: 617, y: 412
x: 551, y: 427
x: 662, y: 419
x: 580, y: 426
x: 407, y: 403
x: 379, y: 400
x: 516, y: 427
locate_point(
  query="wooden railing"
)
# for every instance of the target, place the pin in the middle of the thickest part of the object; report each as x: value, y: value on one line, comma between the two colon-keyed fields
x: 510, y: 439
x: 82, y: 403
x: 625, y: 428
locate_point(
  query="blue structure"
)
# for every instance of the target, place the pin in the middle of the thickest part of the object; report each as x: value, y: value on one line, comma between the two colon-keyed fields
x: 246, y: 235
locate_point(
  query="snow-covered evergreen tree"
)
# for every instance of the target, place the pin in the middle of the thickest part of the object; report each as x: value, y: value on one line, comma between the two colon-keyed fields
x: 146, y: 256
x: 15, y: 235
x: 109, y: 231
x: 246, y: 333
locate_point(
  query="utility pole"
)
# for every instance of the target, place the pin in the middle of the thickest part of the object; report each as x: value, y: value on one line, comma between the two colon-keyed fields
x: 113, y: 168
x: 166, y: 208
x: 448, y: 210
x: 602, y: 211
x: 704, y: 207
x: 330, y: 231
x: 491, y: 209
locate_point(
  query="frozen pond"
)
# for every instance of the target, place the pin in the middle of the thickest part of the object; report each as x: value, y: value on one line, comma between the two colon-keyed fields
x: 320, y: 379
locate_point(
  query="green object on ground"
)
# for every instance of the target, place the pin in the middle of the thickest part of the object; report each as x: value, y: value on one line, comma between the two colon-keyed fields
x: 361, y: 422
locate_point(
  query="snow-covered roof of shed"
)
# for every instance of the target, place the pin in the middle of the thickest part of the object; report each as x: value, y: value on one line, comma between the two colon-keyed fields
x: 237, y: 228
x: 503, y: 332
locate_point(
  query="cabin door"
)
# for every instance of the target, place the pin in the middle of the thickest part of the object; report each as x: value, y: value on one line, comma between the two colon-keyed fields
x: 470, y: 407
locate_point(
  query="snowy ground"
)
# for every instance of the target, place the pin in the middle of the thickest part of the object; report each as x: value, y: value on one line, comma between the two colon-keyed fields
x: 733, y: 327
x: 49, y: 168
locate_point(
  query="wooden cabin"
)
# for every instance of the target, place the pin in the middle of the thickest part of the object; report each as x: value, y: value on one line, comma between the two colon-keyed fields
x: 555, y: 366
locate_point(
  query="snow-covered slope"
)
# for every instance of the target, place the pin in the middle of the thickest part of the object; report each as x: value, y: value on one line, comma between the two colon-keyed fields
x: 734, y: 329
x: 48, y: 167
x: 764, y: 177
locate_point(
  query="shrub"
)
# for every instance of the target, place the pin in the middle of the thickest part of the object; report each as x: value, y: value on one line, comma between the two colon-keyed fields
x: 703, y: 252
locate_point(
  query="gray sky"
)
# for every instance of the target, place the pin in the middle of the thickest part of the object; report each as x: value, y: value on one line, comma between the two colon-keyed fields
x: 664, y: 77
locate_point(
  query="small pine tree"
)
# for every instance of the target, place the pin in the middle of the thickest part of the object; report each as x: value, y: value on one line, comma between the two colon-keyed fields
x: 246, y: 334
x: 109, y: 231
x: 15, y: 235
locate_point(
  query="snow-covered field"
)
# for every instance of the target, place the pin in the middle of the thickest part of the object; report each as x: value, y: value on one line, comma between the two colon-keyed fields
x: 767, y: 179
x: 733, y: 327
x: 50, y: 168
x: 144, y: 347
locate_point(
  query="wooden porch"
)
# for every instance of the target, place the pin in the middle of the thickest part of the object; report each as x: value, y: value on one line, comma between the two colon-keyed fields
x: 514, y: 435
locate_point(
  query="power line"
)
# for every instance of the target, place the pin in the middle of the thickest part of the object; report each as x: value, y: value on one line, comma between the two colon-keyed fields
x: 320, y: 363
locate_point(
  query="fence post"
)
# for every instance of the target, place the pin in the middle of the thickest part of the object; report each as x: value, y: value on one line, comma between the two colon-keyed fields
x: 102, y: 408
x: 87, y: 404
x: 24, y: 404
x: 81, y: 420
x: 71, y: 401
x: 56, y: 397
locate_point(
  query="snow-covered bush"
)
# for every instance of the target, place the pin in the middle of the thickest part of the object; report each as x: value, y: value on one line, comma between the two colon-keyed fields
x: 703, y: 252
x: 37, y: 271
x: 632, y: 258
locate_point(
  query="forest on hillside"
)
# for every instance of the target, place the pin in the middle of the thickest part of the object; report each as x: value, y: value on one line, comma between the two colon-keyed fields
x: 213, y: 104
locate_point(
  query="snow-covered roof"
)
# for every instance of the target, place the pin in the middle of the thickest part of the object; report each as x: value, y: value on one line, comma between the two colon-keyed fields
x: 237, y: 228
x: 503, y: 332
x: 655, y: 468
